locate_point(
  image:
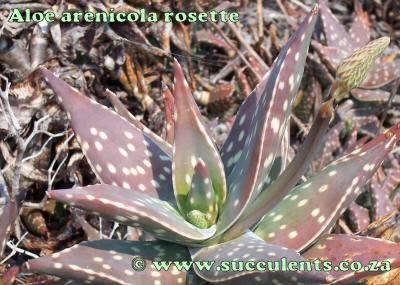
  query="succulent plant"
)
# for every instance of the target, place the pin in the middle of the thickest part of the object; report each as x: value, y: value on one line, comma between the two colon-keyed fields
x: 240, y: 203
x: 341, y: 44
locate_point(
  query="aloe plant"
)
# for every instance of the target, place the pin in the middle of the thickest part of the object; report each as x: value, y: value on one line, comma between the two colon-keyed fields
x: 239, y: 203
x: 341, y: 44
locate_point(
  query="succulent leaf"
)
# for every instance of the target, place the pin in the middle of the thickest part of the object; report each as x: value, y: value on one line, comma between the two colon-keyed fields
x: 336, y: 34
x: 360, y: 31
x: 111, y: 261
x: 359, y: 217
x: 134, y: 208
x: 269, y: 119
x: 124, y: 112
x: 325, y: 196
x: 373, y: 95
x: 247, y: 248
x: 8, y: 215
x: 201, y: 197
x: 124, y: 156
x: 382, y: 74
x: 339, y: 247
x: 331, y: 56
x: 381, y: 203
x: 271, y: 196
x: 193, y: 142
x: 169, y: 114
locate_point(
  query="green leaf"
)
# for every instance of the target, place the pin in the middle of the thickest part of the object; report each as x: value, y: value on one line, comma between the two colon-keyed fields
x: 201, y: 196
x: 191, y: 143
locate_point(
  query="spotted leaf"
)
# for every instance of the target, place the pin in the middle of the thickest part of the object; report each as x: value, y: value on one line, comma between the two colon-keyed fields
x: 123, y: 155
x: 111, y: 262
x: 269, y: 119
x: 373, y: 95
x: 249, y: 248
x: 335, y: 32
x: 360, y: 31
x: 337, y: 248
x: 381, y: 203
x: 271, y: 196
x: 331, y: 56
x: 191, y: 143
x: 124, y: 112
x: 134, y: 208
x: 381, y: 74
x: 359, y: 217
x: 324, y: 197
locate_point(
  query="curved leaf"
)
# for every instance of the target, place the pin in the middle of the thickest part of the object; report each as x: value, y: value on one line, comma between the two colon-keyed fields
x: 134, y: 208
x: 110, y: 262
x: 191, y: 143
x: 337, y: 248
x: 249, y: 248
x: 119, y: 152
x: 268, y: 123
x: 325, y: 196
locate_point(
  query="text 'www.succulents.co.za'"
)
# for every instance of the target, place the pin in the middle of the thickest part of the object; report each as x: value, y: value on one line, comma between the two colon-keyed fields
x: 139, y: 264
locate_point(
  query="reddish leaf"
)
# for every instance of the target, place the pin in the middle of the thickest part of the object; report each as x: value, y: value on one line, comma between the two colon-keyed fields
x: 335, y: 32
x: 360, y: 31
x: 122, y: 155
x: 381, y: 203
x: 169, y: 114
x: 382, y: 74
x: 359, y: 217
x: 338, y: 248
x: 8, y: 215
x: 124, y: 112
x: 373, y: 95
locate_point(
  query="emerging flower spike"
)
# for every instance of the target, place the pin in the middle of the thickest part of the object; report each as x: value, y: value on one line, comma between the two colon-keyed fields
x: 242, y: 204
x: 341, y: 44
x: 353, y: 70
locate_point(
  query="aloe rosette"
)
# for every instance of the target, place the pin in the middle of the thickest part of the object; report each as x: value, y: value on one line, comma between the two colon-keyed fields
x: 240, y: 203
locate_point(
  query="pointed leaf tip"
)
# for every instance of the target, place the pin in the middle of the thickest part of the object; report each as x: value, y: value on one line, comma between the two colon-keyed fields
x: 192, y: 142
